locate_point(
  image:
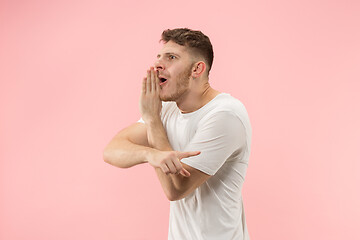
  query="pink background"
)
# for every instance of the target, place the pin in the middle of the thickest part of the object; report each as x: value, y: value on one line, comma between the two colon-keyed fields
x: 70, y: 75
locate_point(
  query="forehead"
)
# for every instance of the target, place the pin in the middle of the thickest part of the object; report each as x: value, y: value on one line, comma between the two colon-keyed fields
x: 172, y: 47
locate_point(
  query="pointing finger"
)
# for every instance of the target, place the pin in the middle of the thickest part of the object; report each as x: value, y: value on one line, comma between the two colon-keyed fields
x: 188, y: 154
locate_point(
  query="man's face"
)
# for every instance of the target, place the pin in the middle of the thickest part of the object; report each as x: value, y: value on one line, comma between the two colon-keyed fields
x: 174, y: 66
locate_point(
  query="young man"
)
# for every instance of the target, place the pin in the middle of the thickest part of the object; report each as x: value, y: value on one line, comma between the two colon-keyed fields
x: 196, y: 138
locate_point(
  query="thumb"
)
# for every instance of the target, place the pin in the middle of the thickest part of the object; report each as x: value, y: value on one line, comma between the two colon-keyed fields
x: 182, y: 155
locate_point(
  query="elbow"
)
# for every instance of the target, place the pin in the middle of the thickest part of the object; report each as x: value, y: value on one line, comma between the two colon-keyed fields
x: 174, y: 195
x: 176, y: 191
x: 174, y: 198
x: 106, y: 156
x: 171, y: 198
x: 110, y: 157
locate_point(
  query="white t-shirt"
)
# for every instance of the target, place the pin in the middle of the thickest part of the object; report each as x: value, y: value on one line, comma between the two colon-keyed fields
x: 221, y: 131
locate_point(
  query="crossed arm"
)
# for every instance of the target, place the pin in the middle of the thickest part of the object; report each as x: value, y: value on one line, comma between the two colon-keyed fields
x: 148, y: 143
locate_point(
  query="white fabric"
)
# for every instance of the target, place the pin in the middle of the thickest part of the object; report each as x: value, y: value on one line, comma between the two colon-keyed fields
x: 221, y: 131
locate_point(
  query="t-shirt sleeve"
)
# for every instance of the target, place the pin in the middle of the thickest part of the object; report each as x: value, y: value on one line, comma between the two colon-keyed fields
x: 217, y: 138
x: 141, y: 121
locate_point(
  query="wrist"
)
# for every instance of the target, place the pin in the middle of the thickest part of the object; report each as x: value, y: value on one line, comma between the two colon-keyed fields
x: 149, y: 155
x: 152, y: 121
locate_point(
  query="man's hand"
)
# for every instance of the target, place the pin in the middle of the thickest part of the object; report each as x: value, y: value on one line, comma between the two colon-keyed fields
x: 150, y: 103
x: 169, y: 161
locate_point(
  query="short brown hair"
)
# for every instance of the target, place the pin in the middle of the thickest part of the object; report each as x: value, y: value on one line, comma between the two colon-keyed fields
x: 195, y: 40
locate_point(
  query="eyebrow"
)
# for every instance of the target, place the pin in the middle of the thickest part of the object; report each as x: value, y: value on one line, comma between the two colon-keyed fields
x: 168, y: 53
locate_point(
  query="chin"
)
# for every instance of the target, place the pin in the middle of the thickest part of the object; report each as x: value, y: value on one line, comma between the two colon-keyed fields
x: 166, y: 99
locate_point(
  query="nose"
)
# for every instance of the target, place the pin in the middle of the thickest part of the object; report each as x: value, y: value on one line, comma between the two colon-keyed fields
x: 159, y: 65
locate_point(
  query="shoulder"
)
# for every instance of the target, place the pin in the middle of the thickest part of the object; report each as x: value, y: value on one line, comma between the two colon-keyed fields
x: 225, y: 104
x: 224, y: 109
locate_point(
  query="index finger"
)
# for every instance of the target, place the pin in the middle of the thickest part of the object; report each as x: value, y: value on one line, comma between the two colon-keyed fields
x: 157, y: 82
x: 188, y: 154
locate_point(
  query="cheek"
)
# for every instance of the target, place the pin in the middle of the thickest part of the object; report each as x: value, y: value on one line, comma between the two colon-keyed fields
x: 174, y: 70
x: 176, y: 74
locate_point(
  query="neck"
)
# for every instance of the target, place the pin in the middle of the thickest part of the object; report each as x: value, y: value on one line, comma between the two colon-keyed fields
x: 195, y: 99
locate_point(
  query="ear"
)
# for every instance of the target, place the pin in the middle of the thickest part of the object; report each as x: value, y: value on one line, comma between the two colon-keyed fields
x: 198, y: 69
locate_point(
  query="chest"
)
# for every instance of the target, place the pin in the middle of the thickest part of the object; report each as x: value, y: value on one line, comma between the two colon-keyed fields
x: 180, y: 131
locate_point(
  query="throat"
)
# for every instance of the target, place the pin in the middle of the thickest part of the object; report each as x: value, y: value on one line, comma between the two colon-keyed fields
x: 192, y: 102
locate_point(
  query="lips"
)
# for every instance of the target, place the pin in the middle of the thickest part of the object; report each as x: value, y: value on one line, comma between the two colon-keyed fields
x: 162, y: 79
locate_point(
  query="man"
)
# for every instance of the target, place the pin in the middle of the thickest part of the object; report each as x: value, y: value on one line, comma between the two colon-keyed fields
x: 196, y: 138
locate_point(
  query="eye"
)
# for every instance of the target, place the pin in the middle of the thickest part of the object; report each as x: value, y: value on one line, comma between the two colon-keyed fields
x: 172, y: 57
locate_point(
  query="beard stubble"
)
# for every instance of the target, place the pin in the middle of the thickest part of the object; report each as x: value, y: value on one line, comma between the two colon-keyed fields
x: 182, y: 86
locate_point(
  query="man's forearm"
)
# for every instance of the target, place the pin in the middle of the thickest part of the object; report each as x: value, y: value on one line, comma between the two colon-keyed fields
x: 158, y: 139
x: 125, y: 154
x: 157, y: 136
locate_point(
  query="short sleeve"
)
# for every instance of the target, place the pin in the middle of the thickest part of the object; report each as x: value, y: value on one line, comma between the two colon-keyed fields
x: 141, y: 121
x: 217, y: 137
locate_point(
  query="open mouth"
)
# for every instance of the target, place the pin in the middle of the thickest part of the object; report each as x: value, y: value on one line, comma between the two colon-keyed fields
x: 162, y: 80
